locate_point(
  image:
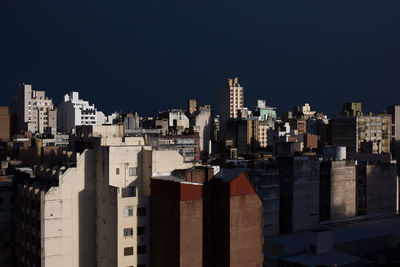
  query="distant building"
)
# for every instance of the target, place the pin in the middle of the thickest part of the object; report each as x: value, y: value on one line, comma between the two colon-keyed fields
x: 352, y: 109
x: 244, y: 133
x: 131, y: 121
x: 231, y: 97
x: 201, y: 120
x: 192, y: 105
x: 74, y: 111
x: 264, y: 112
x: 352, y: 131
x: 188, y: 145
x: 34, y: 111
x: 172, y: 121
x: 303, y: 112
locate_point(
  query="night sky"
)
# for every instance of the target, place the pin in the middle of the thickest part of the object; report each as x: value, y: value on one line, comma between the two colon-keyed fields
x: 151, y: 55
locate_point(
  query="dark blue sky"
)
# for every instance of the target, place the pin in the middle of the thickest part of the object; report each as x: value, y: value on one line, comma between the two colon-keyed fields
x: 150, y: 55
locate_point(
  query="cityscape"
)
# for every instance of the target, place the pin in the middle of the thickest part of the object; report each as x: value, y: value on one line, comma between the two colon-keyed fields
x: 241, y: 184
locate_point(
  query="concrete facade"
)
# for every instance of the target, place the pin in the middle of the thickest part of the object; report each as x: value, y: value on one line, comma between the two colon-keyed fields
x: 337, y: 190
x: 56, y: 222
x: 299, y: 193
x: 266, y: 184
x: 376, y: 189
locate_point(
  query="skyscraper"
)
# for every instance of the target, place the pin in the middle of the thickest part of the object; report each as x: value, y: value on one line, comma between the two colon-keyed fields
x: 230, y: 102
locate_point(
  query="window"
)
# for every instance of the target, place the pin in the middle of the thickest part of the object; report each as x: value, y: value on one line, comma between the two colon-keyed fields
x: 132, y: 191
x: 132, y: 171
x: 128, y: 212
x: 128, y: 251
x: 117, y: 171
x: 141, y: 250
x: 128, y: 232
x: 141, y: 211
x: 129, y: 191
x: 141, y: 230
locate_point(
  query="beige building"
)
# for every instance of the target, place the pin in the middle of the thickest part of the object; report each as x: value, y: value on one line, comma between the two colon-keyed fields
x: 231, y: 98
x: 34, y: 110
x: 95, y: 212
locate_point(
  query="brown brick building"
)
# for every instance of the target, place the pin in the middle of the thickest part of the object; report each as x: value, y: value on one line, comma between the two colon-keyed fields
x: 4, y: 124
x: 177, y: 223
x: 215, y: 223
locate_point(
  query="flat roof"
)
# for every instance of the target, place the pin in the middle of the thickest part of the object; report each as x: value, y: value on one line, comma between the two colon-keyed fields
x: 328, y: 259
x: 173, y: 179
x: 298, y: 242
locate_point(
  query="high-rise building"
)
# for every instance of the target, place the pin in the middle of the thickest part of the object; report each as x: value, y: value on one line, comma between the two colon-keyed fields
x: 74, y: 111
x: 34, y: 111
x: 231, y: 97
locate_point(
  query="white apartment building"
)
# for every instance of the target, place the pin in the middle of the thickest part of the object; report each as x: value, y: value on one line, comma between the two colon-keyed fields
x: 96, y: 213
x: 34, y: 110
x: 202, y: 120
x: 74, y: 111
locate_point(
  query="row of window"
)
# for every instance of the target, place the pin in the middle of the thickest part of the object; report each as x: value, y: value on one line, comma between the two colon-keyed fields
x: 141, y: 230
x: 131, y: 171
x: 128, y: 212
x: 128, y: 251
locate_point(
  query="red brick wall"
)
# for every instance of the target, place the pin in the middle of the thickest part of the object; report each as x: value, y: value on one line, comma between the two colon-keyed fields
x: 4, y: 124
x: 246, y: 237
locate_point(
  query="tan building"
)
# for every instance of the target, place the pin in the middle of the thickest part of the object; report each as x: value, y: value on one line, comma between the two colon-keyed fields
x: 192, y: 105
x: 34, y: 110
x: 263, y: 127
x: 231, y: 98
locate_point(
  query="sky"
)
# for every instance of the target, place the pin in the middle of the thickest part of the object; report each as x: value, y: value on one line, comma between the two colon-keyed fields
x: 152, y: 55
